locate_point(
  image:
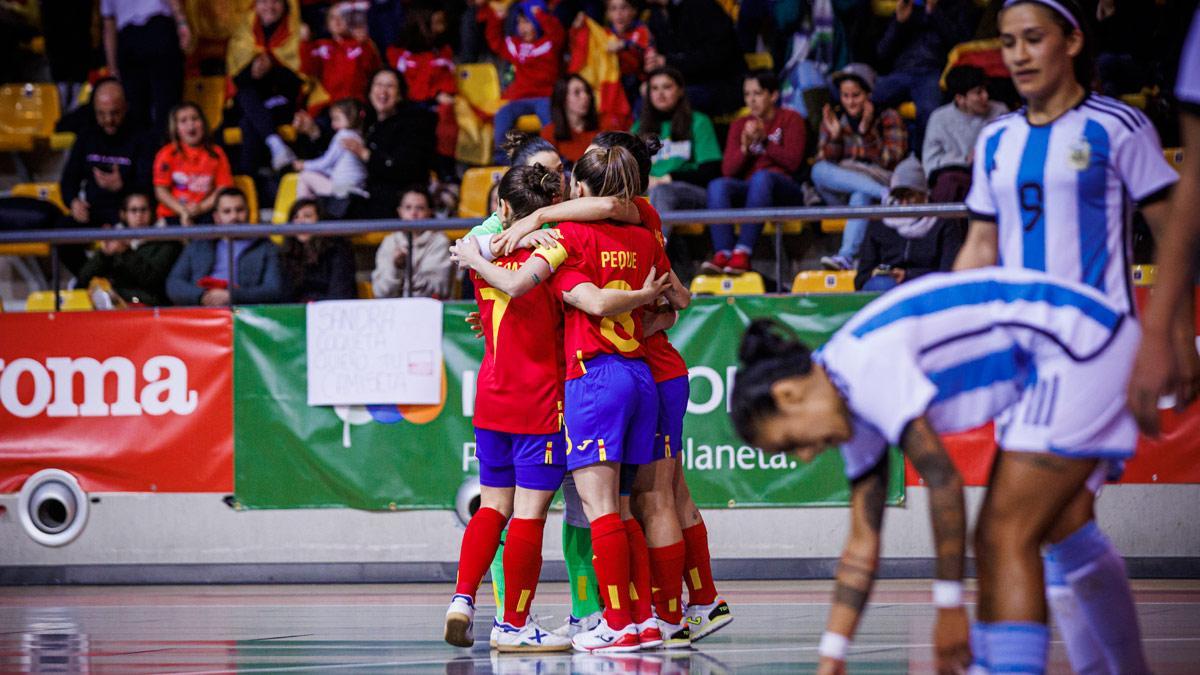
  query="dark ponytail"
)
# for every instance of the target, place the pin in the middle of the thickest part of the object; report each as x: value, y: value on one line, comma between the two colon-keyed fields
x: 520, y: 146
x: 769, y: 352
x: 528, y: 188
x: 643, y: 148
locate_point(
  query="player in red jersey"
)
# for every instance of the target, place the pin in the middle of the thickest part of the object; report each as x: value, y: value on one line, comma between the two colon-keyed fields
x: 611, y: 403
x: 521, y: 457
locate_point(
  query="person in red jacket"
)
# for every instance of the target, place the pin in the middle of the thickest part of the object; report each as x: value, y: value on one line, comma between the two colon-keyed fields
x: 427, y: 62
x: 342, y: 63
x: 535, y: 51
x: 762, y: 151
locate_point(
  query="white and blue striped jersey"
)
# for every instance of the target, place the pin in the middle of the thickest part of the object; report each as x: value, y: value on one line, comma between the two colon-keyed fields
x: 1061, y: 194
x: 959, y: 349
x: 1187, y: 82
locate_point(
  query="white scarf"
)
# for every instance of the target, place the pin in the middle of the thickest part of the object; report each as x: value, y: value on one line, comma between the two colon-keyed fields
x: 909, y: 228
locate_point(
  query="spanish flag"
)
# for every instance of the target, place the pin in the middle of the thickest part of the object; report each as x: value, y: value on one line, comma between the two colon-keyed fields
x: 592, y: 60
x: 248, y: 41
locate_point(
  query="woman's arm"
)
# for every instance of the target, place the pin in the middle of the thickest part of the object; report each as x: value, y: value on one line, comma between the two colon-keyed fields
x: 610, y: 301
x: 948, y: 512
x: 164, y: 197
x: 513, y: 283
x: 583, y: 209
x: 658, y: 319
x: 856, y: 568
x: 981, y: 248
x: 677, y: 294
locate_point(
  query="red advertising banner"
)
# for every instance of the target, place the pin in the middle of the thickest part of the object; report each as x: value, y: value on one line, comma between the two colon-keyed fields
x: 1174, y: 457
x: 130, y: 401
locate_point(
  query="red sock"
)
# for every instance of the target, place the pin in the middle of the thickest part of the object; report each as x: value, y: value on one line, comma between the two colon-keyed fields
x: 639, y: 570
x: 522, y: 567
x: 479, y: 545
x: 697, y: 570
x: 610, y: 548
x: 666, y: 568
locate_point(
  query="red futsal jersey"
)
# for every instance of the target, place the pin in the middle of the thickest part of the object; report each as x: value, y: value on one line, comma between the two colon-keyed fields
x: 609, y: 256
x: 520, y: 385
x: 664, y: 360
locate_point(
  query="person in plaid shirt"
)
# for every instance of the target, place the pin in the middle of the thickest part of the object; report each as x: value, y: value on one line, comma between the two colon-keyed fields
x: 858, y: 148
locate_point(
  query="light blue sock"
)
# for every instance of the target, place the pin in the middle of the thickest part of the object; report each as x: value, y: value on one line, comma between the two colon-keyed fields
x: 1017, y: 647
x: 1083, y: 650
x: 979, y: 660
x: 1096, y: 573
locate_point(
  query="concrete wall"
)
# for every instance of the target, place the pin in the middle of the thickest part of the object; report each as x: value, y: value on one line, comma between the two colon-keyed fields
x: 197, y: 537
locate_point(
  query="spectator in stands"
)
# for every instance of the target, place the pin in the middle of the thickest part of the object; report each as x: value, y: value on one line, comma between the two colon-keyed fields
x: 338, y: 172
x: 202, y: 275
x: 263, y: 61
x: 144, y: 42
x: 430, y: 256
x: 535, y: 52
x: 136, y: 269
x: 953, y: 128
x: 573, y: 119
x: 916, y: 43
x: 109, y: 159
x: 690, y: 157
x: 190, y: 169
x: 897, y: 250
x: 426, y: 60
x: 398, y: 145
x: 341, y: 63
x: 316, y: 268
x: 764, y: 148
x: 631, y: 40
x: 859, y: 145
x: 697, y: 38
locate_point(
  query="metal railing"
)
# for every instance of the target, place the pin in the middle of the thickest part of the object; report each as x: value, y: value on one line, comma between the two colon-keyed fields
x: 352, y: 227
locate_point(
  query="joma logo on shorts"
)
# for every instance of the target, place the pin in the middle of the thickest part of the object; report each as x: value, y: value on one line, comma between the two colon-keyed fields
x: 165, y: 389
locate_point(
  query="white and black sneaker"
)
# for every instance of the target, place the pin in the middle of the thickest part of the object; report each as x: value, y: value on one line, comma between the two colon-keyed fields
x: 704, y: 620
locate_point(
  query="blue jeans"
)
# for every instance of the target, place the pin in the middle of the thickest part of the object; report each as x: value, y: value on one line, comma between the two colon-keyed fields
x: 919, y: 87
x: 506, y: 118
x: 765, y: 188
x: 833, y: 181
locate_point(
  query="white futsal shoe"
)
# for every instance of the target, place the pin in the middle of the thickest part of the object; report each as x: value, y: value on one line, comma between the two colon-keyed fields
x: 675, y: 635
x: 602, y: 639
x: 575, y: 626
x: 529, y: 638
x: 460, y: 618
x: 704, y: 620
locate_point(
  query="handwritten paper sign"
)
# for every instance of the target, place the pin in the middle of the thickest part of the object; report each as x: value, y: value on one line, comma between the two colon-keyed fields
x: 363, y: 352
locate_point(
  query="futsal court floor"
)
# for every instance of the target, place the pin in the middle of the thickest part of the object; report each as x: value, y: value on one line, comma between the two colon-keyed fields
x: 398, y: 628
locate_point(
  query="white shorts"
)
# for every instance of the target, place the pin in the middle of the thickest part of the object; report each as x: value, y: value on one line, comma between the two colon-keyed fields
x: 1078, y: 409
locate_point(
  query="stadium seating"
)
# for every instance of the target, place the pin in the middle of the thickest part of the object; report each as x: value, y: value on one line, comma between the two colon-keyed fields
x: 789, y: 227
x: 749, y: 283
x: 818, y: 281
x: 833, y: 225
x: 285, y: 197
x: 476, y: 184
x: 479, y: 84
x: 365, y: 291
x: 47, y: 192
x: 1174, y: 157
x: 69, y: 301
x: 907, y: 110
x: 208, y: 92
x: 530, y: 124
x: 760, y: 61
x: 1144, y: 275
x: 246, y: 184
x: 28, y: 113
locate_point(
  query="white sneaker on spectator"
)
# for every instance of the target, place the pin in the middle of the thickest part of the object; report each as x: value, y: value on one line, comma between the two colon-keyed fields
x: 281, y: 155
x: 837, y: 262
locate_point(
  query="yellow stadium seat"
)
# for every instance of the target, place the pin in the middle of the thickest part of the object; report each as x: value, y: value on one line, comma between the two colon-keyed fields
x: 208, y: 92
x: 748, y: 283
x: 62, y: 140
x: 285, y: 197
x: 479, y: 83
x: 47, y: 192
x: 476, y: 184
x: 246, y: 185
x: 530, y: 124
x: 689, y: 229
x: 1174, y: 157
x: 907, y: 110
x: 832, y: 225
x: 455, y: 235
x: 28, y: 113
x: 789, y: 227
x: 233, y: 135
x: 883, y: 7
x: 369, y: 239
x: 69, y: 301
x: 22, y: 250
x: 760, y: 61
x: 1144, y: 275
x: 365, y: 291
x: 819, y: 281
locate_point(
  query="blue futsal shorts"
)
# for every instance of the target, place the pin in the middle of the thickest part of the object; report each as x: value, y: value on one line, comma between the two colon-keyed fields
x: 672, y: 406
x: 611, y: 413
x: 530, y: 461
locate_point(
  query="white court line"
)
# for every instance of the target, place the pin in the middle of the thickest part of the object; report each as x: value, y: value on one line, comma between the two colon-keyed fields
x: 862, y: 649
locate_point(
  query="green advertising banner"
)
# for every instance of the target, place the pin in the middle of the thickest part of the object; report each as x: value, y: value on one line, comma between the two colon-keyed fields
x: 290, y: 455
